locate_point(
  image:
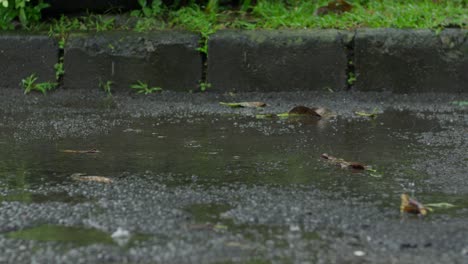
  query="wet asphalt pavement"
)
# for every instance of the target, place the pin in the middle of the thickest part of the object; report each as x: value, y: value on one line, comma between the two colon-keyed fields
x: 197, y: 182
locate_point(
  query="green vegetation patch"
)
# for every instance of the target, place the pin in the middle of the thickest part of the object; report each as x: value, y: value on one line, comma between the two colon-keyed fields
x: 270, y: 14
x: 76, y: 235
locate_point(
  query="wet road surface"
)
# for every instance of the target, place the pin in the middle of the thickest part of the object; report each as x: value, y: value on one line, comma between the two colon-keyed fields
x: 197, y: 182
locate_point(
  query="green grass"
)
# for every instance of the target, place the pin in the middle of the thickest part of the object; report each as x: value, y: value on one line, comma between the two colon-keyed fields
x: 385, y: 13
x: 275, y: 14
x: 271, y: 14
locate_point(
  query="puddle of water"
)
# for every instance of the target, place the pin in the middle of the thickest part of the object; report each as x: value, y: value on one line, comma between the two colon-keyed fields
x: 216, y: 150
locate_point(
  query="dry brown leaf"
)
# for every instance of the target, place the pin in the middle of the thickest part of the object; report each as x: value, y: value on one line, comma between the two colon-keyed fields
x: 411, y: 206
x: 89, y: 151
x: 252, y: 104
x: 304, y: 110
x: 343, y: 163
x: 244, y: 104
x: 356, y: 166
x: 92, y: 178
x: 336, y: 6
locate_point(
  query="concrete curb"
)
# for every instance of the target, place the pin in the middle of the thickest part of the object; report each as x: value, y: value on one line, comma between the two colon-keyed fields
x: 278, y: 60
x: 24, y: 54
x: 400, y: 61
x: 164, y: 59
x: 411, y: 60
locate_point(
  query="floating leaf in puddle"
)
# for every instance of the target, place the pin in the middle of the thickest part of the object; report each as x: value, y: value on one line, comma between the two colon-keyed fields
x: 373, y: 173
x: 306, y: 111
x: 244, y: 104
x: 343, y: 163
x: 266, y: 116
x: 84, y: 177
x: 356, y: 166
x: 371, y: 115
x: 220, y: 227
x: 440, y: 205
x: 132, y: 130
x: 300, y: 111
x: 234, y: 244
x: 335, y: 6
x: 411, y: 206
x: 460, y: 103
x: 89, y: 151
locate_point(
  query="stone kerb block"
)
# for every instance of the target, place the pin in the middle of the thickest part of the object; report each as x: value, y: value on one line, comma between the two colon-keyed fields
x: 288, y: 60
x: 164, y: 59
x: 24, y: 54
x: 406, y: 61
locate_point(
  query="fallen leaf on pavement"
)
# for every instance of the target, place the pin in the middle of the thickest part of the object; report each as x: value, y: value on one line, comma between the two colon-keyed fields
x: 372, y: 114
x: 300, y: 111
x: 306, y: 111
x: 440, y: 205
x: 411, y: 206
x: 90, y: 151
x: 84, y: 177
x: 266, y: 116
x: 343, y: 163
x: 460, y: 103
x: 220, y: 227
x: 244, y: 104
x: 356, y: 166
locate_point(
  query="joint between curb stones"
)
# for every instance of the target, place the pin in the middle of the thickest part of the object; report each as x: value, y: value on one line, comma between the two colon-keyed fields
x: 204, y: 68
x: 61, y: 61
x: 350, y: 63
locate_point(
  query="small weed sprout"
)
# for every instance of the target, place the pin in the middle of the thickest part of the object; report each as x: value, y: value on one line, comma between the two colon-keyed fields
x: 45, y: 86
x: 29, y: 84
x: 143, y: 88
x: 106, y: 86
x: 204, y: 86
x: 351, y: 78
x: 59, y: 70
x: 61, y: 43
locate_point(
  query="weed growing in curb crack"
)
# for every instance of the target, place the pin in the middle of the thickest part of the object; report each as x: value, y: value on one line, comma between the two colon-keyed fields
x: 59, y: 70
x: 196, y: 20
x: 29, y: 84
x: 351, y: 78
x: 106, y: 86
x: 204, y: 86
x: 144, y: 88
